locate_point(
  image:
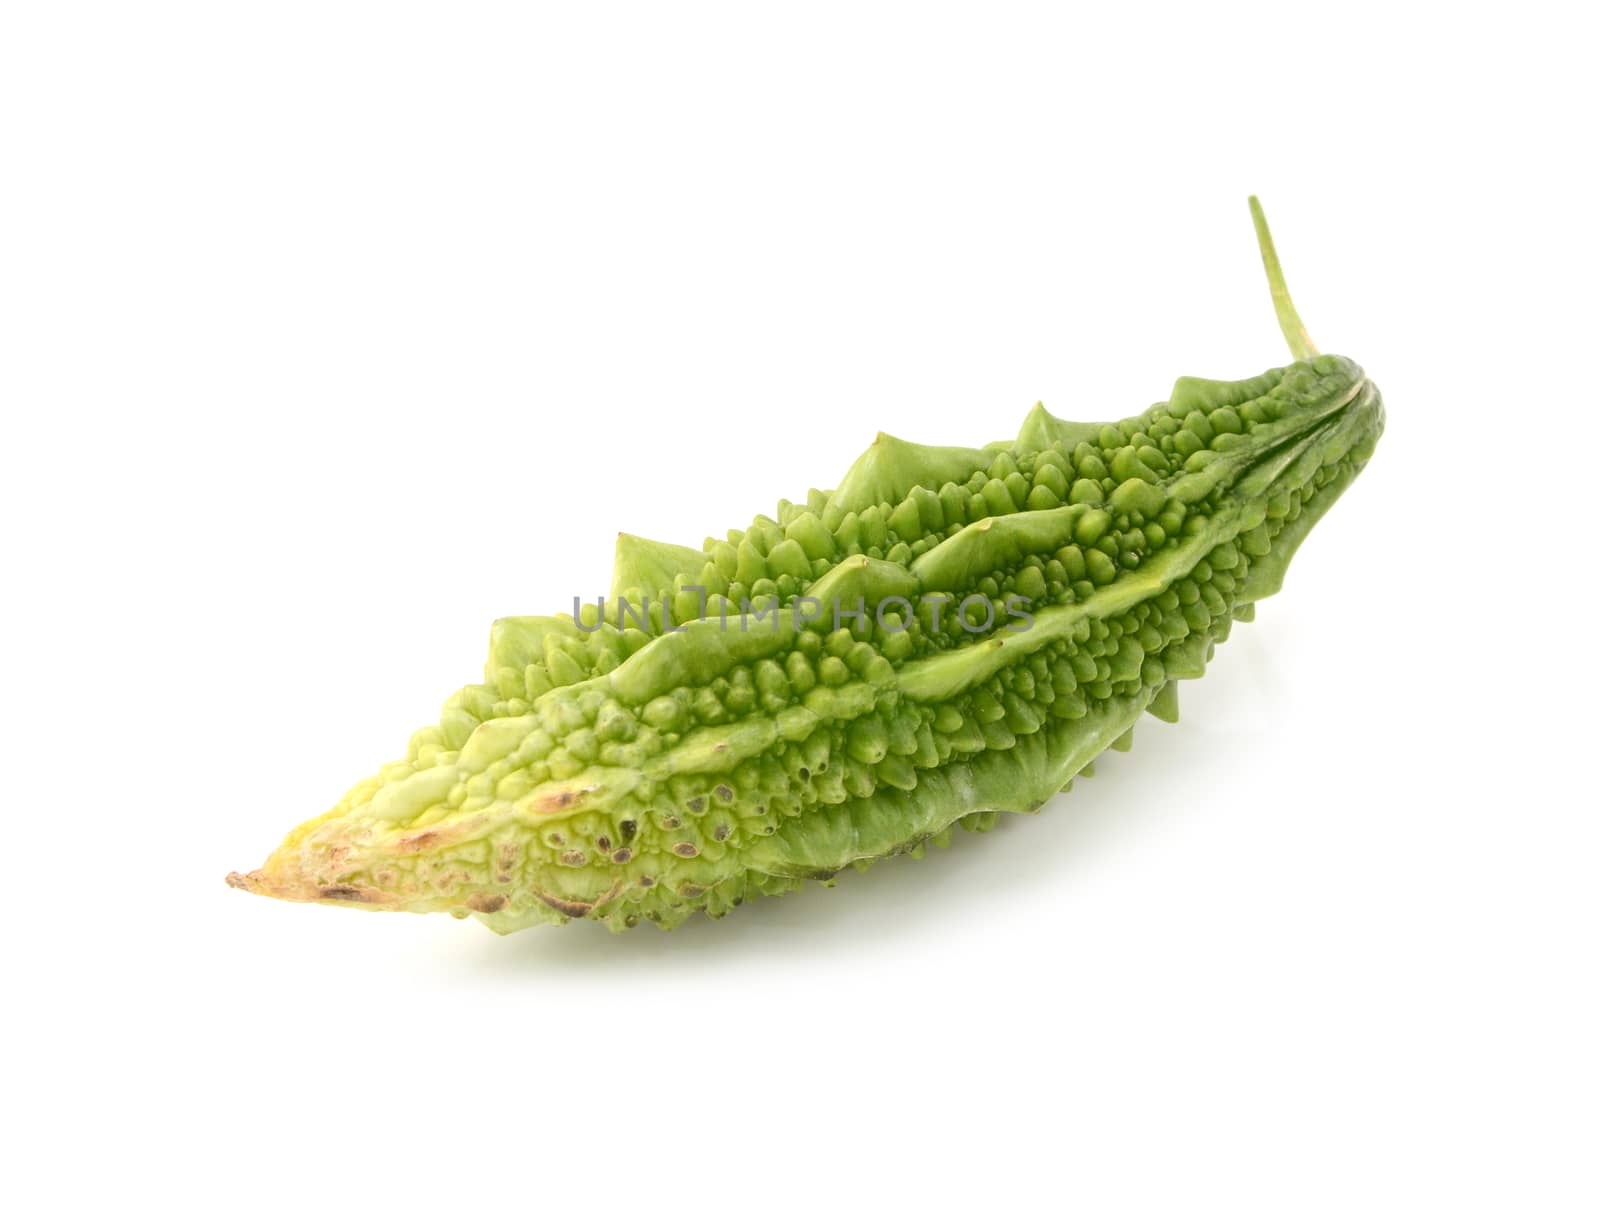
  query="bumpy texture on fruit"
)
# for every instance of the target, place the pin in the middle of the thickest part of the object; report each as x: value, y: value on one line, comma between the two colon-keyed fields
x: 688, y: 758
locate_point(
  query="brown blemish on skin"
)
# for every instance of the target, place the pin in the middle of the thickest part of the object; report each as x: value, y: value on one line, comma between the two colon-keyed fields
x: 603, y: 842
x: 574, y: 859
x: 686, y: 849
x: 566, y: 906
x: 644, y: 882
x: 670, y: 823
x: 621, y: 855
x: 575, y: 908
x: 306, y: 889
x: 486, y: 903
x: 723, y: 792
x: 689, y: 889
x: 433, y: 838
x: 563, y: 799
x: 696, y: 804
x: 721, y: 833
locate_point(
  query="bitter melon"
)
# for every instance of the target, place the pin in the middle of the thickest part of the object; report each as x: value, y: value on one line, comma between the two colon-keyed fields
x: 949, y: 634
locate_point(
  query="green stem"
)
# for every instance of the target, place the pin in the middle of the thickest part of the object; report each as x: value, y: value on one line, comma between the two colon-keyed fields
x: 1300, y: 344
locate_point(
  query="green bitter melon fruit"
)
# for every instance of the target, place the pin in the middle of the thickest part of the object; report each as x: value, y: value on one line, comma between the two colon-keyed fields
x: 641, y: 773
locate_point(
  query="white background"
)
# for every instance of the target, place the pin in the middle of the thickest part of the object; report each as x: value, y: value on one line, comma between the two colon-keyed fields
x: 329, y: 333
